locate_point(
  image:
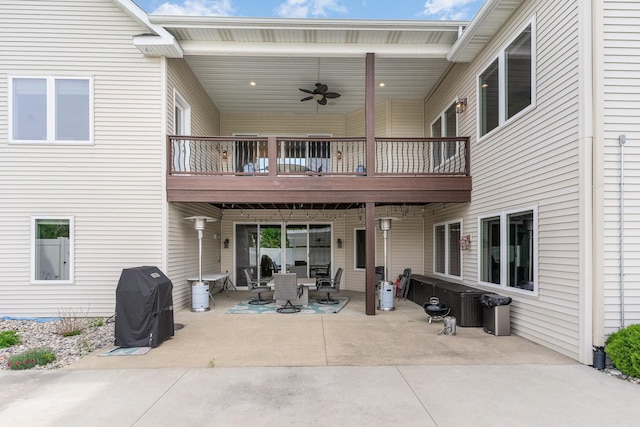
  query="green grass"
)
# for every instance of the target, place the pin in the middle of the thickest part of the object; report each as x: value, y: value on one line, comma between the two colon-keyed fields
x: 9, y: 338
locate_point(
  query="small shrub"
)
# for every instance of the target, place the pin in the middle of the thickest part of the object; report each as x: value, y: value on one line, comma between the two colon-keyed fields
x: 71, y: 323
x: 95, y: 322
x: 31, y: 358
x: 623, y: 348
x: 9, y: 338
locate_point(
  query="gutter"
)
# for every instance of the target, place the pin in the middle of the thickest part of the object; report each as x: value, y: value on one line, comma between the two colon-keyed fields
x: 467, y: 46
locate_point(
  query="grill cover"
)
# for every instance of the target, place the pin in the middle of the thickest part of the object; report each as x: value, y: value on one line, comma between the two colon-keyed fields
x: 144, y: 308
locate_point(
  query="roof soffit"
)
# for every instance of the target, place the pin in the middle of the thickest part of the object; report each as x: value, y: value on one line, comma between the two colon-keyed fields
x: 158, y: 41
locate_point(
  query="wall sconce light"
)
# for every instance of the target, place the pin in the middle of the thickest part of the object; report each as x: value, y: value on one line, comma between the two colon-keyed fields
x: 226, y: 243
x: 339, y: 155
x: 339, y: 243
x: 461, y: 105
x: 465, y: 241
x: 224, y: 155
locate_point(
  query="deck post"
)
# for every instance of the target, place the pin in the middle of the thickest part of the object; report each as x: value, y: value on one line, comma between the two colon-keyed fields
x: 370, y: 211
x: 370, y: 258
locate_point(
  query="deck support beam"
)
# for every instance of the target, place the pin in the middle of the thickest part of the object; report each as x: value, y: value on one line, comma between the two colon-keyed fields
x: 370, y: 210
x: 370, y: 258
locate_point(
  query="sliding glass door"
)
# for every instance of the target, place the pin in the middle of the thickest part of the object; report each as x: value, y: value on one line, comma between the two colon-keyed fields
x: 304, y: 249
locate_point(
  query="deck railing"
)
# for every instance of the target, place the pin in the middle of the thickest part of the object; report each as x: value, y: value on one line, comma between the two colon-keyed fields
x: 189, y: 155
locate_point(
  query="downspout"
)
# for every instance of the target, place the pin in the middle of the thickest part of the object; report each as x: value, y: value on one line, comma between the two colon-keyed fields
x: 622, y: 138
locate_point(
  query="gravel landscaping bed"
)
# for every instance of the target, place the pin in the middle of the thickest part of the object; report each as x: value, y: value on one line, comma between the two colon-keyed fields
x: 45, y: 334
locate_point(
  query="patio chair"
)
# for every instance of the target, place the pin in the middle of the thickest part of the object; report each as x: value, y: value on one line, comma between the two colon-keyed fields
x: 329, y: 286
x: 402, y: 290
x: 286, y: 288
x: 256, y: 287
x: 322, y: 272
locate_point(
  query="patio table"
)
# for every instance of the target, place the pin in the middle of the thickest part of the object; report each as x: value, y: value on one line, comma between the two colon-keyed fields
x: 306, y: 283
x: 224, y: 279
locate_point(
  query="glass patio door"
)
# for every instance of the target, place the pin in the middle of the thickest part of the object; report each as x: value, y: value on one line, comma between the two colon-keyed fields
x: 320, y: 250
x: 305, y: 250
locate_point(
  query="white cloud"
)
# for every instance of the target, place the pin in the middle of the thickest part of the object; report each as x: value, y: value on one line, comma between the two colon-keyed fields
x: 449, y: 9
x: 309, y: 8
x: 197, y: 8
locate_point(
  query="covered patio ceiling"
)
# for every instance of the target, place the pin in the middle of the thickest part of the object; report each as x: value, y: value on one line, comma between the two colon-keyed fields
x: 280, y: 56
x: 259, y: 65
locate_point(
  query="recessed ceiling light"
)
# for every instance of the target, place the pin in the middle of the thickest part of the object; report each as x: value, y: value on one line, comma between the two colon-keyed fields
x: 252, y: 83
x: 381, y: 84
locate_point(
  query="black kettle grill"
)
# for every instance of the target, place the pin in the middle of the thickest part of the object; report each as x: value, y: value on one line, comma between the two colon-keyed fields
x: 435, y: 310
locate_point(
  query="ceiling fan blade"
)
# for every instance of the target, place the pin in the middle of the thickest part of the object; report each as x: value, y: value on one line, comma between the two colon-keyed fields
x: 307, y: 98
x: 321, y: 88
x: 307, y: 91
x: 322, y: 101
x: 332, y: 95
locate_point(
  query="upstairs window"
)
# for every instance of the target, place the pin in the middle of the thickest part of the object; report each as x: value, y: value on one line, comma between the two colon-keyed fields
x: 506, y: 86
x: 446, y: 125
x: 50, y: 109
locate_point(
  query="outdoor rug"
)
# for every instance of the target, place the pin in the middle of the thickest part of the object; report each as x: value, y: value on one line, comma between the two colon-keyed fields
x: 129, y: 351
x: 314, y: 308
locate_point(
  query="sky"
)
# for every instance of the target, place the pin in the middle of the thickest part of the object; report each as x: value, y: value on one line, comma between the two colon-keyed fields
x: 457, y: 10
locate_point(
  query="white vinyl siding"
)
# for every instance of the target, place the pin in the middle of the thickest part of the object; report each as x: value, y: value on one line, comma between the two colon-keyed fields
x: 620, y: 112
x: 114, y: 188
x: 532, y: 160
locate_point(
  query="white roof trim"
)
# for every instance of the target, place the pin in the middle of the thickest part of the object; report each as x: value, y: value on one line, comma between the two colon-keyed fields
x: 464, y: 50
x: 160, y: 42
x: 169, y: 21
x: 314, y: 50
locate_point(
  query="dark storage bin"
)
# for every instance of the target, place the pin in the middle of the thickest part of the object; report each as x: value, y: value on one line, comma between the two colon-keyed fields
x: 464, y: 301
x: 379, y: 274
x: 496, y: 314
x: 144, y: 308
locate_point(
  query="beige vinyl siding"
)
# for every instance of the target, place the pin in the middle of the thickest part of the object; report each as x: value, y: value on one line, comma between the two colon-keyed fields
x: 394, y: 118
x: 355, y: 123
x: 182, y: 240
x: 183, y: 247
x: 205, y: 117
x: 282, y: 124
x: 531, y: 161
x: 113, y: 188
x: 621, y: 115
x: 404, y: 251
x: 407, y: 117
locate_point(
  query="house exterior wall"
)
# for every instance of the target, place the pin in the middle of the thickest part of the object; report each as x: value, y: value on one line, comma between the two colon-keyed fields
x: 182, y: 238
x: 403, y: 250
x: 282, y: 124
x: 531, y: 161
x: 617, y: 80
x: 113, y: 188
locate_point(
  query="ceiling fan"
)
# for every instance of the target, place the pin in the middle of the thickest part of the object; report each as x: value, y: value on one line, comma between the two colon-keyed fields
x: 320, y: 94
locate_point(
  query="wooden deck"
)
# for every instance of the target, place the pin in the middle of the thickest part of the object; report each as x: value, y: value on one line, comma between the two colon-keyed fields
x: 314, y: 170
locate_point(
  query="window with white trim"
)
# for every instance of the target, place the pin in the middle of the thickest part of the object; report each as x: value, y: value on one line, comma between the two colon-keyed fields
x: 447, y: 254
x: 52, y: 250
x: 506, y: 86
x: 445, y: 125
x: 507, y: 249
x: 51, y: 109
